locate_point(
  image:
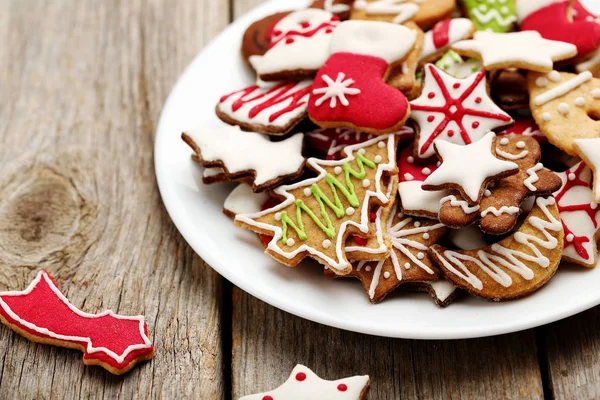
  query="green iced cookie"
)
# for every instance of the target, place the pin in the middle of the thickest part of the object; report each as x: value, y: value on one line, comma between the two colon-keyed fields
x: 492, y: 15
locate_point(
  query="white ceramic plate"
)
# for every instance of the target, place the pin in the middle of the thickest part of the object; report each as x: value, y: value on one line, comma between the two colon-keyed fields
x: 236, y: 254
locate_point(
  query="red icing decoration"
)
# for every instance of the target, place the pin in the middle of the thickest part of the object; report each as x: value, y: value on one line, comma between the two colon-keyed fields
x: 526, y: 127
x: 43, y: 313
x: 459, y: 113
x: 359, y: 240
x: 475, y: 125
x: 377, y: 106
x: 577, y: 241
x: 291, y: 34
x: 267, y: 397
x: 280, y: 93
x: 441, y: 33
x: 415, y: 170
x: 342, y: 387
x: 552, y: 23
x: 300, y: 376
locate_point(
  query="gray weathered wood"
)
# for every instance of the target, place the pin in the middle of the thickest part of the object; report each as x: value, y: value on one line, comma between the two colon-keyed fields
x: 573, y: 356
x: 83, y: 83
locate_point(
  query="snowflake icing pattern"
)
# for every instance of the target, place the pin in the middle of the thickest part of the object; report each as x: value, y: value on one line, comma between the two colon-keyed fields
x: 442, y: 108
x: 335, y: 90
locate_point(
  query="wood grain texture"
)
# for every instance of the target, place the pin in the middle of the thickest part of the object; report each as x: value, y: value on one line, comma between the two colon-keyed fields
x: 573, y: 356
x: 83, y: 83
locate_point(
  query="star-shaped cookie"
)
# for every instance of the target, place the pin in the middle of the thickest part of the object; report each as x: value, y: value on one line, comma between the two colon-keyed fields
x: 525, y: 50
x: 468, y: 169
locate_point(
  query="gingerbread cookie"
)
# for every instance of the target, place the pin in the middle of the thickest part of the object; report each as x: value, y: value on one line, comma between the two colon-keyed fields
x: 589, y: 151
x: 509, y: 89
x: 341, y: 8
x: 424, y: 13
x: 492, y: 15
x: 319, y: 214
x: 305, y: 384
x: 299, y: 46
x: 579, y: 216
x: 455, y: 110
x: 257, y: 37
x: 42, y: 314
x: 556, y: 20
x: 351, y: 85
x: 403, y: 76
x: 525, y: 50
x: 242, y: 200
x: 443, y: 34
x: 565, y: 106
x: 407, y: 260
x: 515, y: 266
x: 468, y: 169
x: 211, y: 175
x: 413, y: 199
x: 248, y: 156
x: 273, y: 109
x: 501, y: 204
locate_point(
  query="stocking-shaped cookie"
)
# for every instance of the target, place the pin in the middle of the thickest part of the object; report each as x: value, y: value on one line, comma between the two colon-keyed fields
x: 501, y: 203
x: 555, y: 20
x: 350, y: 89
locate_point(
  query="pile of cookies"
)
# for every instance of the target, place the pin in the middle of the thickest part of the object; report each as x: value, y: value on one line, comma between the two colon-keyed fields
x: 420, y: 144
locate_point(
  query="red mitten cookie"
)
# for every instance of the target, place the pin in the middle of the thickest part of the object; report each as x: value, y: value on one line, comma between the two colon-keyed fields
x: 350, y: 89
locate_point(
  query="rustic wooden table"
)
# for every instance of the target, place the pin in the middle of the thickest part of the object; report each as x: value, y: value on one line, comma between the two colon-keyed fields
x: 83, y: 83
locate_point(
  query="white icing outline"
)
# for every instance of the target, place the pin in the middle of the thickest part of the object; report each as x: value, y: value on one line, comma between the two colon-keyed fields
x: 510, y: 156
x: 533, y: 176
x: 563, y: 88
x: 487, y: 261
x: 340, y: 263
x: 89, y: 348
x: 503, y: 210
x: 454, y: 202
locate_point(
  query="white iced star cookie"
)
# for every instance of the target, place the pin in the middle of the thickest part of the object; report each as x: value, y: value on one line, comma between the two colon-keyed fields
x: 589, y: 151
x: 247, y: 156
x: 303, y: 384
x: 525, y: 50
x: 468, y: 169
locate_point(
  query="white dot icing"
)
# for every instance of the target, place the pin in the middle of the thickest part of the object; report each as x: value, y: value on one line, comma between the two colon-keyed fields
x: 366, y: 183
x: 596, y: 93
x: 541, y: 81
x: 520, y: 144
x: 563, y: 108
x: 487, y: 193
x: 337, y: 170
x: 417, y: 224
x: 368, y: 268
x: 570, y: 237
x: 546, y: 116
x: 386, y: 275
x: 410, y: 159
x: 426, y: 171
x: 291, y: 242
x: 580, y: 102
x: 554, y: 76
x: 504, y: 141
x: 378, y: 159
x: 349, y: 211
x: 362, y: 151
x: 593, y: 205
x: 326, y: 243
x: 277, y: 216
x: 307, y: 192
x: 572, y: 176
x: 407, y: 265
x: 381, y: 145
x: 420, y: 255
x: 426, y: 236
x: 408, y: 177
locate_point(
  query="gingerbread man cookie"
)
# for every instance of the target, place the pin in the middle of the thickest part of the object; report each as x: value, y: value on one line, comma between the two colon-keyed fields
x: 565, y: 106
x: 350, y: 90
x: 514, y: 267
x: 424, y: 13
x: 319, y: 214
x: 501, y: 204
x: 455, y: 110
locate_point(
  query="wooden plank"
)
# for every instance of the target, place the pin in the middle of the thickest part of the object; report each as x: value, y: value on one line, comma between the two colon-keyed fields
x: 573, y: 356
x: 267, y: 343
x: 83, y: 83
